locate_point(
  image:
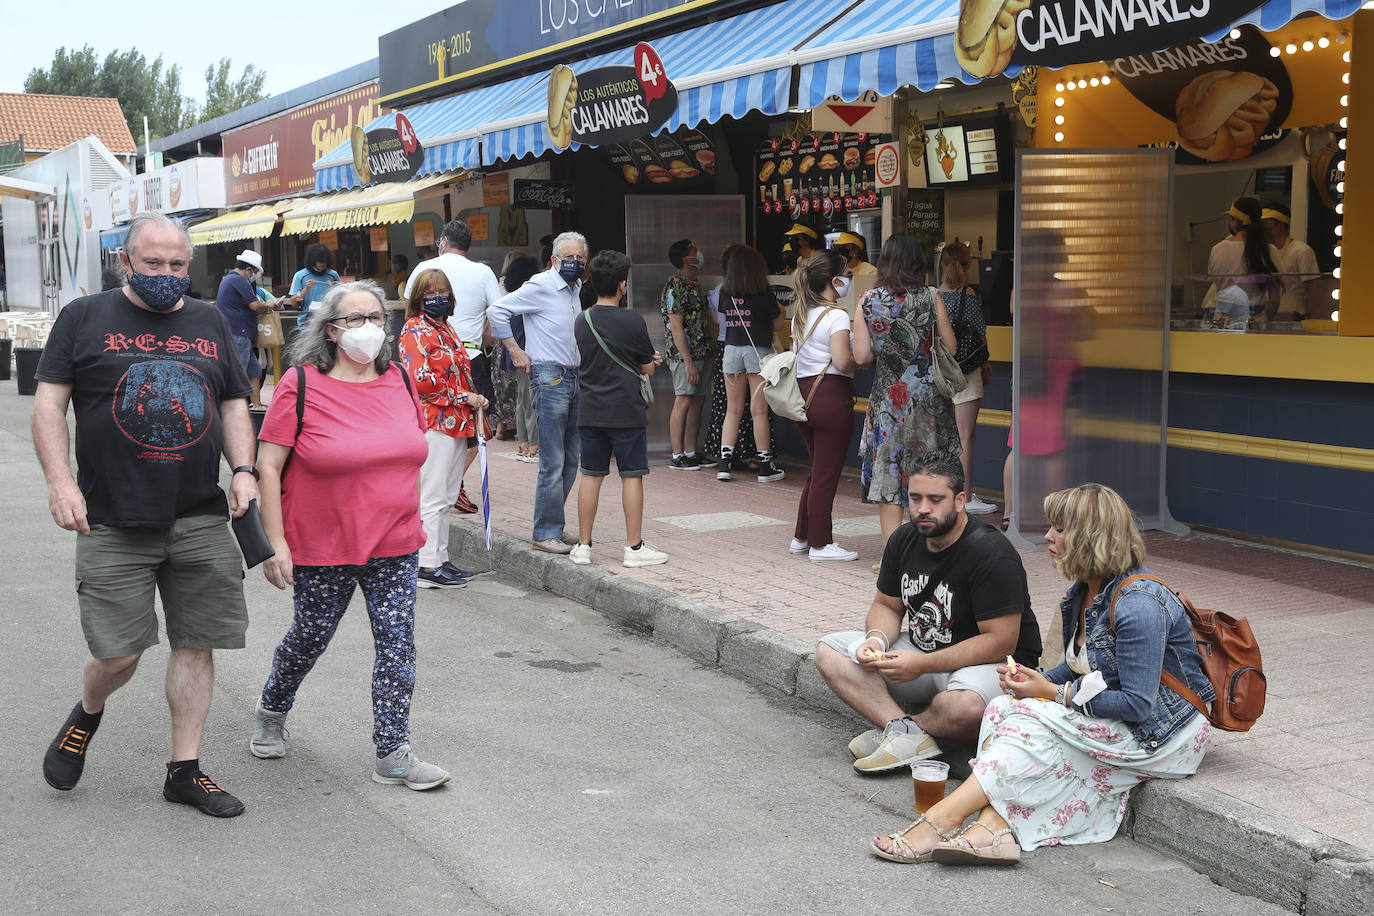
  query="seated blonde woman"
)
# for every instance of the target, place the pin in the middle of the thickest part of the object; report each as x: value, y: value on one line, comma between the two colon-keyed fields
x: 1061, y: 749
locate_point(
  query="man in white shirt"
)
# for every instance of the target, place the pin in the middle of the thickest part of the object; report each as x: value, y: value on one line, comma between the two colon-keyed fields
x: 550, y: 304
x: 1297, y: 262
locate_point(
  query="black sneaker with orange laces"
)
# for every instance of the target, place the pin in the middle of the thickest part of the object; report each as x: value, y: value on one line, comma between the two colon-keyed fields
x: 187, y: 785
x: 66, y: 755
x: 464, y: 504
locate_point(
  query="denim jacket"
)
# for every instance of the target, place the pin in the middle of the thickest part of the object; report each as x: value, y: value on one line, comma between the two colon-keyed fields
x: 1152, y: 632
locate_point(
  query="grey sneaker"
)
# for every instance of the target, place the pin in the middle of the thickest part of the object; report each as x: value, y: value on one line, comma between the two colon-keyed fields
x: 402, y: 766
x: 896, y: 750
x: 867, y: 743
x: 269, y: 734
x: 552, y: 545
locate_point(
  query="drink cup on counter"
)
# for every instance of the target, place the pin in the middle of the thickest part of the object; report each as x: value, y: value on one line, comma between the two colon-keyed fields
x: 787, y: 189
x: 928, y: 779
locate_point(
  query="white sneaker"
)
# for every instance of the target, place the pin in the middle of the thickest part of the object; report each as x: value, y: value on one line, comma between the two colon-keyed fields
x: 867, y: 743
x: 976, y: 506
x: 831, y: 553
x: 797, y: 548
x: 643, y: 555
x: 898, y: 750
x: 581, y: 554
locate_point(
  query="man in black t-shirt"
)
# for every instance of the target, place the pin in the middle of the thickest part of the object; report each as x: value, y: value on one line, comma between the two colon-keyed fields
x: 959, y: 588
x: 611, y: 415
x: 159, y: 394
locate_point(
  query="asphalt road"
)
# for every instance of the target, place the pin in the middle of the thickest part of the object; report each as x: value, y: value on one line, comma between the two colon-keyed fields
x: 595, y: 771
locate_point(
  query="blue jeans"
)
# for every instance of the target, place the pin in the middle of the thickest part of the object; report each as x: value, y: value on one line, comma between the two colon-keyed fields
x: 553, y: 389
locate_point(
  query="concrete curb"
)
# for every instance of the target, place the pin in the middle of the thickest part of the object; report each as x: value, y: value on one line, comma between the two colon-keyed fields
x: 1236, y: 844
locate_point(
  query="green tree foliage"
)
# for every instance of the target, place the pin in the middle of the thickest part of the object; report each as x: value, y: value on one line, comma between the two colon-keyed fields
x: 223, y: 95
x: 147, y: 88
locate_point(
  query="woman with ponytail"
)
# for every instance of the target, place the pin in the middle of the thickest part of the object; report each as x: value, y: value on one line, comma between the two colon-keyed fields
x: 1244, y: 260
x: 825, y: 373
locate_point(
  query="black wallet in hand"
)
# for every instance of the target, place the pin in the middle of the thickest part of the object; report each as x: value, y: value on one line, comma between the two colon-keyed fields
x: 252, y: 536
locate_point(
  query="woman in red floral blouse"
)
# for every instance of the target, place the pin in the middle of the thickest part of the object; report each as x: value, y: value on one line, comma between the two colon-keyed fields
x: 438, y: 363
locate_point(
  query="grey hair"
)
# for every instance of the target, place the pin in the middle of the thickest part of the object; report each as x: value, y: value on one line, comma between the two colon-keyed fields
x: 144, y: 221
x: 565, y: 238
x: 312, y: 347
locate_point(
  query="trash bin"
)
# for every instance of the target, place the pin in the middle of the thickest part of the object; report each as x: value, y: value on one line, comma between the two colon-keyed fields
x: 26, y: 367
x: 5, y: 356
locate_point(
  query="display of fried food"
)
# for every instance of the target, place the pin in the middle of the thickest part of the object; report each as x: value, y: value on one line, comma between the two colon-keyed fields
x: 828, y: 162
x: 766, y: 172
x: 785, y: 166
x: 807, y: 163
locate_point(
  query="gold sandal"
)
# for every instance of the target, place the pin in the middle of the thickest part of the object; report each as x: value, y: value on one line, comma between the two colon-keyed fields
x: 961, y: 851
x: 904, y: 852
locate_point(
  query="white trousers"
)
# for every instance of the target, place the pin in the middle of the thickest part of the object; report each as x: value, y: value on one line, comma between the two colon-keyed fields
x: 441, y: 477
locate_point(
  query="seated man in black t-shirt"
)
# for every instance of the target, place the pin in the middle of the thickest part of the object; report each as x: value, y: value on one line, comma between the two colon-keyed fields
x: 612, y: 418
x: 960, y: 588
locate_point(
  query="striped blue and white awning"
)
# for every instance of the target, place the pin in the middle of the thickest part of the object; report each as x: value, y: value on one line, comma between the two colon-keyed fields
x: 725, y: 68
x: 880, y: 46
x: 734, y: 66
x: 1277, y: 13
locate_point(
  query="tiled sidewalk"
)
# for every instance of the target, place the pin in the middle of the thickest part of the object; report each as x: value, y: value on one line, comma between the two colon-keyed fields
x: 1309, y: 758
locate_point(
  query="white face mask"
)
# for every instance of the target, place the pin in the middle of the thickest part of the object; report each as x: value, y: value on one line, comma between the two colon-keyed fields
x: 363, y: 344
x: 841, y: 286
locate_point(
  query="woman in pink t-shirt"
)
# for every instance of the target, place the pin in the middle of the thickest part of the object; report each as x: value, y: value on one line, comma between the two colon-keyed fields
x: 345, y: 514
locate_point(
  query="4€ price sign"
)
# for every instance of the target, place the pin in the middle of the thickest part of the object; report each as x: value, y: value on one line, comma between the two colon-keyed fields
x: 649, y: 69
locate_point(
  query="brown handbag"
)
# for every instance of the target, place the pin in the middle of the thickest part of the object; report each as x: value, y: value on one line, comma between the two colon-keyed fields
x: 1230, y: 659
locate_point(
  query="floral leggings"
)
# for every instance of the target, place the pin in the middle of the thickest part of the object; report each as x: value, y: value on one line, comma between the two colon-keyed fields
x: 322, y: 594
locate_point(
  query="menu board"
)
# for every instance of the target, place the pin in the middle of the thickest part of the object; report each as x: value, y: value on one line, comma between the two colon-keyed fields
x: 667, y: 159
x: 981, y: 146
x: 817, y: 176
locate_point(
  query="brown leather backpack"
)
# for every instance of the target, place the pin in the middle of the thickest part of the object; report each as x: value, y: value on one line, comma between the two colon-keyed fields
x: 1230, y: 658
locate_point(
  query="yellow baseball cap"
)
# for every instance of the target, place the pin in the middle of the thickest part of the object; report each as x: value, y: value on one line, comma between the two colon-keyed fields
x: 799, y: 229
x: 849, y: 238
x: 1267, y: 213
x: 1238, y: 215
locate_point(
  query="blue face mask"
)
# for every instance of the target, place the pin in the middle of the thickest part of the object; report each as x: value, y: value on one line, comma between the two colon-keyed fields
x: 436, y: 306
x: 161, y: 292
x: 570, y: 269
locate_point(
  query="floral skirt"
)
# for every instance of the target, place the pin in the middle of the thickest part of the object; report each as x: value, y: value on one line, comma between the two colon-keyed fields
x: 1059, y: 776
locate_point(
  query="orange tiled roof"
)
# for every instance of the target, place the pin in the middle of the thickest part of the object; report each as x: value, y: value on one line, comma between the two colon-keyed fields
x: 50, y: 122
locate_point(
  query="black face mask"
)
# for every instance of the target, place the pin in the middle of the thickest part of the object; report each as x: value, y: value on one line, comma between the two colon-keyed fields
x: 318, y: 273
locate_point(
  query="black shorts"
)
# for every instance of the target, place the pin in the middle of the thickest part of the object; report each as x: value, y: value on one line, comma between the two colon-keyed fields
x: 629, y: 444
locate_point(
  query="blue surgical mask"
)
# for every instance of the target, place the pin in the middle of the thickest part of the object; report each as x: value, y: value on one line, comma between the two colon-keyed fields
x: 161, y: 292
x: 436, y: 306
x: 570, y: 269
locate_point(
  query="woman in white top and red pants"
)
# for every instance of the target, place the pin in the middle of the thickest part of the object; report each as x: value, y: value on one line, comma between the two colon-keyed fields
x: 825, y: 358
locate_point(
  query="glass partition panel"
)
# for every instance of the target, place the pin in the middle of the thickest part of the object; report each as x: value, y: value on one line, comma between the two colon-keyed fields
x: 1091, y: 311
x: 652, y: 224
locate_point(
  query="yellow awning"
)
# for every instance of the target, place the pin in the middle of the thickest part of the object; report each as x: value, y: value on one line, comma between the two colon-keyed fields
x: 253, y: 223
x: 393, y: 202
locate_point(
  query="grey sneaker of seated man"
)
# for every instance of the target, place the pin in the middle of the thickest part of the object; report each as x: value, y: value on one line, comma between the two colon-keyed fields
x: 867, y: 743
x: 402, y: 766
x: 269, y: 734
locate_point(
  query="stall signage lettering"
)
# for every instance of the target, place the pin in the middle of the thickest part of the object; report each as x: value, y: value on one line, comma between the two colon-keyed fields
x: 481, y: 41
x: 387, y: 154
x: 1057, y: 33
x: 545, y: 195
x: 276, y: 157
x: 1226, y: 99
x: 610, y: 104
x: 342, y: 219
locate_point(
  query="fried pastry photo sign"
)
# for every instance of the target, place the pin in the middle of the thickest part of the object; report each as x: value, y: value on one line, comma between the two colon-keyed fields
x: 993, y: 35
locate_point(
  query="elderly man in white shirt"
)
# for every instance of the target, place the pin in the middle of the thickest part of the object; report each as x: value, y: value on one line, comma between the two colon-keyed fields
x: 549, y: 302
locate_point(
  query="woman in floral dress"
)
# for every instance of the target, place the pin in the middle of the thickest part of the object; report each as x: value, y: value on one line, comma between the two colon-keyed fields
x: 907, y: 418
x: 1060, y: 752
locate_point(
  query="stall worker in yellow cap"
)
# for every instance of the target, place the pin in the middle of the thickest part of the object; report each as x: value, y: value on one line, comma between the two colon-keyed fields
x: 804, y: 238
x: 1297, y: 262
x: 863, y: 275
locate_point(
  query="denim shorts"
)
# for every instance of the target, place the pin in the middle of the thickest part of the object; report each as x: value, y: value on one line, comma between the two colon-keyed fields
x: 629, y: 444
x: 742, y: 358
x: 194, y: 565
x: 248, y: 356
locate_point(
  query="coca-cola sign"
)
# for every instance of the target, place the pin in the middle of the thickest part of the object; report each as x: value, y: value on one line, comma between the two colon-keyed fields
x: 544, y: 195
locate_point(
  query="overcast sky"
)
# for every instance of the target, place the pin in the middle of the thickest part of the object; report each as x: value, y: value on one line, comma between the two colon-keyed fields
x: 293, y: 42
